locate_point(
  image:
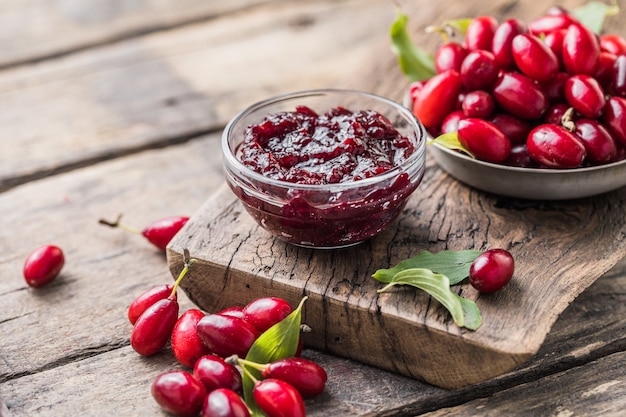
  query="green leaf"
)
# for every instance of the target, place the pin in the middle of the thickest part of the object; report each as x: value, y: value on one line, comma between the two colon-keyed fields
x: 451, y: 141
x: 278, y: 342
x: 454, y: 265
x: 437, y: 285
x: 593, y: 14
x: 414, y: 62
x: 471, y: 314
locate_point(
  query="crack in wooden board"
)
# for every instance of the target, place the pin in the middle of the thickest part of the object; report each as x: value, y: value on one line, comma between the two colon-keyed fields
x: 560, y: 249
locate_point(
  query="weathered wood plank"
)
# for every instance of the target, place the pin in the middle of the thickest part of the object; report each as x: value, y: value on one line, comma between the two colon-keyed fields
x: 165, y: 87
x: 32, y: 30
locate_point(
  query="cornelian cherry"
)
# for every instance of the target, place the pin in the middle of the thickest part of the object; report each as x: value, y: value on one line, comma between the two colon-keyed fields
x: 146, y: 299
x: 179, y: 393
x: 43, y: 265
x: 214, y: 372
x: 614, y: 118
x: 484, y: 140
x: 265, y: 312
x: 479, y: 70
x: 480, y: 32
x: 449, y: 56
x: 555, y: 147
x: 306, y: 376
x: 223, y: 402
x: 437, y: 98
x: 534, y: 58
x: 491, y: 270
x: 585, y: 94
x: 159, y: 233
x: 597, y: 140
x: 186, y: 345
x: 520, y: 95
x: 503, y: 39
x: 278, y: 398
x: 226, y: 335
x: 581, y: 50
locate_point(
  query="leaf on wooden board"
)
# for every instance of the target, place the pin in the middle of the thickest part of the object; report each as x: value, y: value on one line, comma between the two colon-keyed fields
x: 278, y: 342
x: 454, y: 265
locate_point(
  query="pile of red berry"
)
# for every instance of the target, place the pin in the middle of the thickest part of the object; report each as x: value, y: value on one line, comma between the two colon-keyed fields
x: 214, y: 345
x: 548, y: 93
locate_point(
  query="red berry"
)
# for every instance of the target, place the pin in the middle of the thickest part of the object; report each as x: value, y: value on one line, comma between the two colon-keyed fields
x: 265, y: 312
x: 235, y: 311
x: 214, y: 372
x: 554, y: 89
x: 146, y: 299
x: 223, y: 402
x: 533, y: 57
x: 605, y: 71
x: 613, y: 43
x: 515, y: 129
x: 162, y: 231
x: 484, y: 140
x: 449, y: 56
x: 437, y: 98
x: 415, y: 88
x: 555, y: 147
x: 154, y: 327
x: 43, y: 265
x: 479, y: 70
x: 585, y: 94
x: 186, y: 345
x: 581, y: 50
x: 478, y: 103
x: 554, y: 41
x: 520, y: 96
x: 277, y: 398
x: 304, y: 375
x: 502, y: 40
x: 519, y: 157
x: 179, y: 393
x: 480, y: 32
x: 491, y: 270
x: 226, y: 335
x: 451, y: 122
x: 614, y: 118
x: 555, y: 113
x: 618, y: 79
x: 550, y: 23
x: 597, y: 140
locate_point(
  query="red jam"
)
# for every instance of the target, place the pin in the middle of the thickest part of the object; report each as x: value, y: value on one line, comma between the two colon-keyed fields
x: 338, y: 146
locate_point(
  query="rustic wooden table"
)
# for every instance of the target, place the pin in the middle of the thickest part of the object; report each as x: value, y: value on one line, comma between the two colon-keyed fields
x: 117, y: 107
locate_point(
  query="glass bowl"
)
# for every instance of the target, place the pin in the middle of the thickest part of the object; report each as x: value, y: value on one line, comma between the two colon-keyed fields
x: 325, y: 215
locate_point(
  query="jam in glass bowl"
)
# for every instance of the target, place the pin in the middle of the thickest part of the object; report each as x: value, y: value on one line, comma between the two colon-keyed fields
x: 324, y: 168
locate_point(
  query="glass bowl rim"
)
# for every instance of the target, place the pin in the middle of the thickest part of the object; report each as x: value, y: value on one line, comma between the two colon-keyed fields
x: 417, y: 157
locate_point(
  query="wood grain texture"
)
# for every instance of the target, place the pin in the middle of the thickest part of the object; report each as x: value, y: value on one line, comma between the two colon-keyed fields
x: 32, y: 30
x: 166, y: 87
x: 560, y: 249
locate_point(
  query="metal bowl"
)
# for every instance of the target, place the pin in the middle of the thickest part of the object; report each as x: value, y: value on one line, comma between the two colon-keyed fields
x: 530, y: 183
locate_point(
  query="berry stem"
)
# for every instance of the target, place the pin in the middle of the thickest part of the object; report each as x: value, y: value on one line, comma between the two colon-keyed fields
x: 119, y: 225
x: 248, y: 373
x: 243, y: 363
x: 188, y: 262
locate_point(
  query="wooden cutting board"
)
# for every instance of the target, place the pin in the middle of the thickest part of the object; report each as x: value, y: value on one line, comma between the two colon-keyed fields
x: 560, y: 249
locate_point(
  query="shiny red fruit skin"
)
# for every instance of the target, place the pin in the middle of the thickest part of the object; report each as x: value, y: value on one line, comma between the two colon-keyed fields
x: 479, y: 104
x: 585, y: 94
x: 534, y: 58
x: 484, y: 140
x: 226, y: 335
x: 613, y: 43
x: 520, y: 96
x: 179, y: 393
x: 223, y: 402
x: 265, y: 312
x: 154, y: 327
x: 618, y: 79
x: 614, y: 118
x: 277, y: 398
x: 555, y: 113
x: 214, y: 372
x: 480, y: 32
x: 605, y: 71
x: 43, y: 265
x: 581, y: 50
x: 555, y: 147
x: 304, y: 375
x: 554, y: 41
x: 451, y: 122
x: 186, y: 345
x: 479, y: 70
x: 519, y: 157
x: 437, y: 98
x: 550, y: 22
x: 449, y: 56
x: 492, y: 270
x: 415, y: 88
x: 597, y: 140
x: 513, y: 128
x: 502, y: 40
x: 235, y: 311
x: 146, y: 299
x: 162, y: 231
